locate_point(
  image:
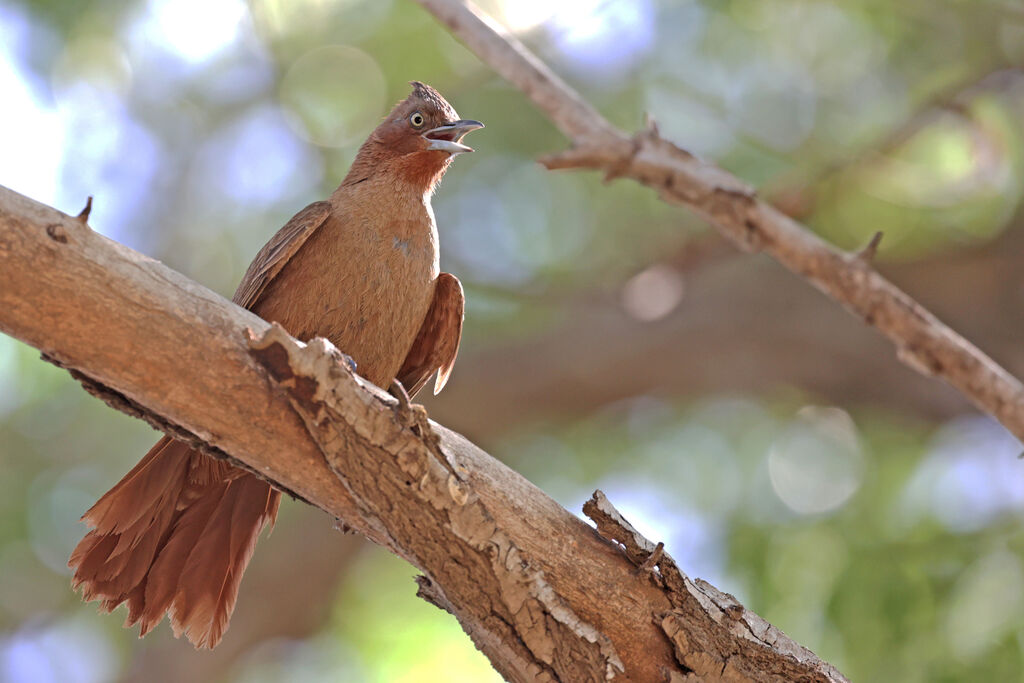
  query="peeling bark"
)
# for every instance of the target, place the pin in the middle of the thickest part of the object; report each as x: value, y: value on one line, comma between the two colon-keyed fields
x: 714, y: 637
x: 446, y: 529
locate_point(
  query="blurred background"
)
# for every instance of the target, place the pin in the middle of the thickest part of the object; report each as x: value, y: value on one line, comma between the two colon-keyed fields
x: 770, y: 439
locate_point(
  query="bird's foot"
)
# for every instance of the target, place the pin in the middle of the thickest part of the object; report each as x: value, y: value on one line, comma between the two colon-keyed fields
x: 401, y: 395
x: 409, y: 414
x: 413, y: 417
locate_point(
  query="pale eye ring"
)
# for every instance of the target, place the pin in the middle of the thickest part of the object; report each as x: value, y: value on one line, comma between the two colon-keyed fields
x: 417, y: 120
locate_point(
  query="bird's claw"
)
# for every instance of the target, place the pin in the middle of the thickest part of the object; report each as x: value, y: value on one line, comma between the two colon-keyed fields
x: 403, y: 410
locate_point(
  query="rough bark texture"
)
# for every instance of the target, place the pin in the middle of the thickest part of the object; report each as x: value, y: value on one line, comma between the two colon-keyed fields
x: 542, y: 594
x: 922, y: 341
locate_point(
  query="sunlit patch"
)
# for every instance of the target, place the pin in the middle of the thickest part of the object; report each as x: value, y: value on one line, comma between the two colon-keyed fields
x: 816, y: 463
x: 506, y: 221
x: 69, y: 651
x: 985, y: 605
x: 32, y: 135
x: 519, y: 16
x: 115, y: 159
x: 400, y: 637
x: 281, y: 16
x: 256, y: 160
x: 193, y: 30
x: 652, y: 293
x: 95, y: 60
x: 345, y: 21
x: 970, y: 478
x: 957, y: 179
x: 333, y: 95
x: 949, y: 162
x: 604, y: 39
x: 601, y: 39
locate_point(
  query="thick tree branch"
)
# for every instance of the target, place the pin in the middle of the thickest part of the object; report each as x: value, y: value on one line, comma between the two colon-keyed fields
x: 922, y: 341
x: 538, y: 591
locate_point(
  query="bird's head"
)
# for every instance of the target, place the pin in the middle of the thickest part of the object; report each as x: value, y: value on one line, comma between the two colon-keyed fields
x: 416, y: 142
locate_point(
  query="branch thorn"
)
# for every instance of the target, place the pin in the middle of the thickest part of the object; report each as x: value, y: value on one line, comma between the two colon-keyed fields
x: 83, y: 215
x: 651, y: 125
x: 867, y: 254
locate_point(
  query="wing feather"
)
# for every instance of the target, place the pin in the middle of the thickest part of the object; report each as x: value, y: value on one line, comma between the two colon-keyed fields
x: 278, y: 251
x: 437, y: 343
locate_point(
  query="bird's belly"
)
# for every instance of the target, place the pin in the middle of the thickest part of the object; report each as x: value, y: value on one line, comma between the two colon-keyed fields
x: 369, y: 305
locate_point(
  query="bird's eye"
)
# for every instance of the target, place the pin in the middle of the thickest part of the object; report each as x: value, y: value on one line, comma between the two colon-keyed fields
x: 417, y: 120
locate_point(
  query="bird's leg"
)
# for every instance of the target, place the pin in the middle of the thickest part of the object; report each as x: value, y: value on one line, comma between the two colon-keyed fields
x: 403, y: 411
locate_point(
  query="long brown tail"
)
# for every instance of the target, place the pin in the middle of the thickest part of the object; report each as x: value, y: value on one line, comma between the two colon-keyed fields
x: 174, y: 536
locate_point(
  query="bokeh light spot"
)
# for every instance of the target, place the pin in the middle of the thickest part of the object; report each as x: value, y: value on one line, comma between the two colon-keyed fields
x: 194, y: 30
x: 816, y: 463
x: 603, y: 39
x: 985, y: 603
x: 32, y: 137
x: 257, y: 159
x: 653, y: 293
x: 332, y: 95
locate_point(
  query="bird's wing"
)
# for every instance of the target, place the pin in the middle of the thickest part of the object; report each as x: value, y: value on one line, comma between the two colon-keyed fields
x: 437, y: 342
x: 278, y: 251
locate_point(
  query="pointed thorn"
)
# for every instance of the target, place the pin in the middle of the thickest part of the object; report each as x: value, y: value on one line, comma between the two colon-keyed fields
x: 83, y: 215
x: 867, y: 254
x: 651, y: 125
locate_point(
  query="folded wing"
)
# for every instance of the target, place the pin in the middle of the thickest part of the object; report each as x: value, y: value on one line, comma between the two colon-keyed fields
x: 437, y: 343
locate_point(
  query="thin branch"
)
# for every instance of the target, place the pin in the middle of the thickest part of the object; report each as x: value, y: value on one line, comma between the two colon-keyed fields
x: 922, y: 341
x: 542, y: 595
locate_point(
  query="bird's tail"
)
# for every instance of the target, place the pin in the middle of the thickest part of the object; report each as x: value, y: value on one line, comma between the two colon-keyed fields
x: 174, y: 536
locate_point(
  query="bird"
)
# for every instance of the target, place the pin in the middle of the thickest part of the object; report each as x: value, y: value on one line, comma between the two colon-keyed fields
x: 361, y: 269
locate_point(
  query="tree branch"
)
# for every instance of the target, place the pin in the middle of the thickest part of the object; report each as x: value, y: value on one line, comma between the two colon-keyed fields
x: 796, y: 338
x: 922, y: 341
x: 539, y: 592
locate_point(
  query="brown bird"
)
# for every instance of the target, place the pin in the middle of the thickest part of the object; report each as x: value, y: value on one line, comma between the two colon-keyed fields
x: 361, y: 269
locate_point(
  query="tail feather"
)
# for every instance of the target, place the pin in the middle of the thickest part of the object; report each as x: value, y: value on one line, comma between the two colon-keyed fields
x: 174, y: 536
x: 145, y: 484
x: 165, y: 574
x: 222, y: 551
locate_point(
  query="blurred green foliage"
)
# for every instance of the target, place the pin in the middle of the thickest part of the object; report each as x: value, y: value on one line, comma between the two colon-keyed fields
x: 889, y: 546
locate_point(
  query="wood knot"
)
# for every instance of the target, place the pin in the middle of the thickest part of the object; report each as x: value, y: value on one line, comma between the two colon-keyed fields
x: 57, y: 233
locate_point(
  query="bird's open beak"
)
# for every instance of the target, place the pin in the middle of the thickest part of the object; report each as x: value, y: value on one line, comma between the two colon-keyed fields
x: 446, y: 138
